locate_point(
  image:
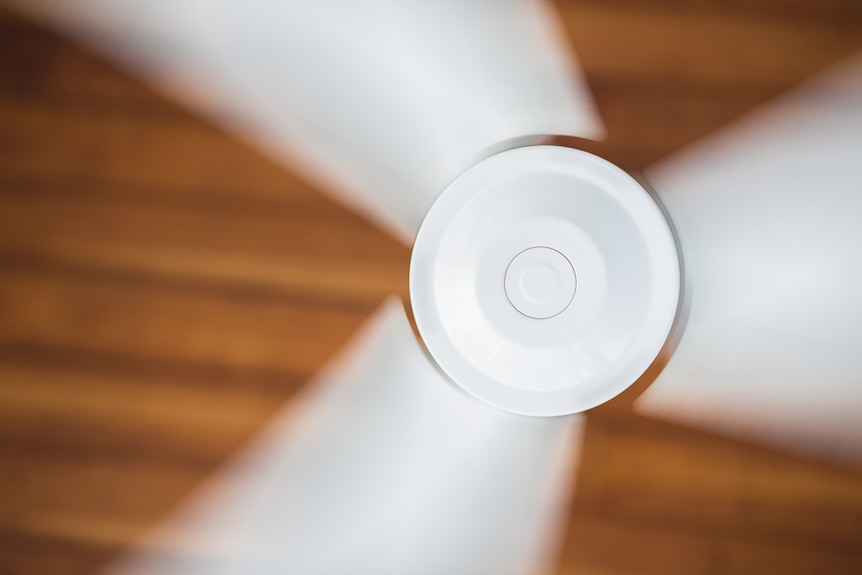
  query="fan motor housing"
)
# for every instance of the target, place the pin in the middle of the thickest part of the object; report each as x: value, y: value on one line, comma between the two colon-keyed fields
x: 544, y: 280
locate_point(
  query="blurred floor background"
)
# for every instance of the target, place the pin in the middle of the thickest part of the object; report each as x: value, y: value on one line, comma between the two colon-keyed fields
x: 164, y: 289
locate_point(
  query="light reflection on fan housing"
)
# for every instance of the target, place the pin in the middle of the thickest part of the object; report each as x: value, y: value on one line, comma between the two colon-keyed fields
x: 545, y: 280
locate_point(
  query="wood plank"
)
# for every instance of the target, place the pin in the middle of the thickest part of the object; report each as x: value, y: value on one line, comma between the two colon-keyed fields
x: 654, y: 498
x: 105, y: 502
x: 121, y: 145
x: 637, y: 472
x: 39, y: 64
x: 23, y: 555
x: 125, y: 317
x: 602, y: 546
x: 666, y: 73
x: 687, y: 43
x: 648, y: 120
x: 172, y: 415
x: 791, y: 10
x: 266, y: 245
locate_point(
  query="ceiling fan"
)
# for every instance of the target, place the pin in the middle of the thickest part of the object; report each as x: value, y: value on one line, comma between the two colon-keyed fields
x: 544, y: 280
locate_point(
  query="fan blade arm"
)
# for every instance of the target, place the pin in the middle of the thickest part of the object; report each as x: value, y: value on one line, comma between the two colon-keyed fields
x: 766, y: 213
x: 381, y: 104
x: 381, y: 467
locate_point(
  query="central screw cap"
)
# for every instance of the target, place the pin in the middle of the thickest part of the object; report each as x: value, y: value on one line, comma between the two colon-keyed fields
x: 540, y: 282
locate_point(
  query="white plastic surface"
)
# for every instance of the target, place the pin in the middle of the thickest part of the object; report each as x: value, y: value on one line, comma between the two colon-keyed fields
x: 540, y: 282
x: 552, y: 356
x: 382, y: 467
x: 382, y: 103
x: 768, y: 214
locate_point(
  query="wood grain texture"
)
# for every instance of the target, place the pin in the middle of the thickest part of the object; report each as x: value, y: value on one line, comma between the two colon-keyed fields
x: 667, y: 72
x: 164, y: 289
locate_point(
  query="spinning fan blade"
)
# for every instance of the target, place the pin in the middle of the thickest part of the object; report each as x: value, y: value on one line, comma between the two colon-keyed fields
x: 767, y: 214
x: 383, y: 467
x: 383, y: 103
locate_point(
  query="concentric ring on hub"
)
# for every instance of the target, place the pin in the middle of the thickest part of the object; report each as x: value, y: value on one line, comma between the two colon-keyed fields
x: 544, y: 280
x: 540, y: 282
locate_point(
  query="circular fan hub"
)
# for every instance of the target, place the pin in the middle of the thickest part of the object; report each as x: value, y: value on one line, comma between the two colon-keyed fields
x: 544, y: 280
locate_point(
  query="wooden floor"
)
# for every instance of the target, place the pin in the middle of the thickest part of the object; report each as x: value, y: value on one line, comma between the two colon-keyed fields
x: 164, y: 289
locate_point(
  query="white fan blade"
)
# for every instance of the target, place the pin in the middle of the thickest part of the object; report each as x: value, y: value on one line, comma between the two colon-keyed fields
x: 383, y: 467
x: 383, y: 102
x: 768, y: 216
